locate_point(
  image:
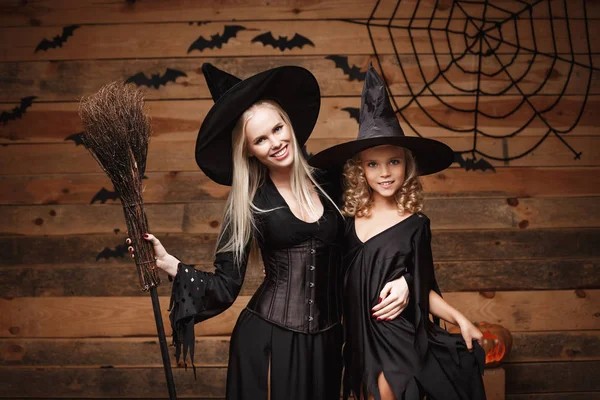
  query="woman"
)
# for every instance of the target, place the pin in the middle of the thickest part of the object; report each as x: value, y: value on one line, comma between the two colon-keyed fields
x: 251, y: 139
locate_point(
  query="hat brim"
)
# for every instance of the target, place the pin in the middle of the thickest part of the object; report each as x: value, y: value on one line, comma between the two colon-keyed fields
x: 295, y: 89
x: 430, y: 155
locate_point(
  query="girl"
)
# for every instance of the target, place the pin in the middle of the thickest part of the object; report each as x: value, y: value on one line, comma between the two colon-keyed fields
x: 251, y: 139
x: 388, y: 237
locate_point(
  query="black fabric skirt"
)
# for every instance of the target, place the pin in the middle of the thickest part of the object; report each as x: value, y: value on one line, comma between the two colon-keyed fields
x: 303, y: 366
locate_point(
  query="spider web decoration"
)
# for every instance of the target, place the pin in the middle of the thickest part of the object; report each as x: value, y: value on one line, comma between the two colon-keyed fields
x: 498, y: 50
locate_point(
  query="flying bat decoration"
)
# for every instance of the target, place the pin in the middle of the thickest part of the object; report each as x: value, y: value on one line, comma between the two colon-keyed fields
x: 76, y: 138
x: 282, y: 43
x: 104, y: 195
x: 106, y: 253
x: 18, y: 111
x: 58, y: 40
x: 155, y: 80
x: 353, y: 72
x: 353, y: 111
x: 218, y: 40
x: 471, y: 164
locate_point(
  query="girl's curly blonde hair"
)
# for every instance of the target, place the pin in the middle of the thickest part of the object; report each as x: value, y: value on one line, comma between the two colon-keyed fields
x: 358, y: 195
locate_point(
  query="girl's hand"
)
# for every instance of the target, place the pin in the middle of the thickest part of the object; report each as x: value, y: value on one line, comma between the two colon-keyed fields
x: 393, y: 299
x: 164, y: 260
x: 469, y: 332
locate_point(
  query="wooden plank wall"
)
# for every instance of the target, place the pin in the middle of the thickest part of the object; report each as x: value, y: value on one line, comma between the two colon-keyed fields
x: 518, y: 245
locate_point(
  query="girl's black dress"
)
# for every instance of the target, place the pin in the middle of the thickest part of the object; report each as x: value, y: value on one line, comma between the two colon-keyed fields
x: 292, y: 321
x: 416, y: 356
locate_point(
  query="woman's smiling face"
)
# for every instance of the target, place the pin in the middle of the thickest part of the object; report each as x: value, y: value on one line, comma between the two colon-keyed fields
x: 269, y: 139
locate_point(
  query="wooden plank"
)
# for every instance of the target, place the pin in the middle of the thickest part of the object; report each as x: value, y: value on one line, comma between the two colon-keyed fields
x: 95, y: 280
x: 109, y: 382
x: 484, y: 276
x: 198, y: 248
x: 494, y: 381
x: 556, y: 396
x: 138, y: 352
x: 178, y: 155
x: 489, y: 276
x: 152, y: 40
x: 170, y: 187
x: 179, y: 120
x: 64, y: 12
x: 99, y: 317
x: 70, y: 80
x: 555, y: 346
x: 175, y: 187
x: 206, y: 216
x: 583, y: 376
x: 34, y: 317
x: 113, y: 352
x: 453, y: 276
x: 148, y: 382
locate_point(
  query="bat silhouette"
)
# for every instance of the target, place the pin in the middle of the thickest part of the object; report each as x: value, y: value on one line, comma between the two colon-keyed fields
x: 104, y: 195
x: 77, y: 138
x: 470, y: 164
x: 58, y: 40
x: 353, y: 71
x: 106, y: 253
x: 282, y: 42
x: 353, y: 111
x: 18, y: 111
x: 155, y: 80
x: 217, y: 40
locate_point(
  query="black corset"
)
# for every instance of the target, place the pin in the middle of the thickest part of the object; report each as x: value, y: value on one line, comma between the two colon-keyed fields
x: 301, y: 290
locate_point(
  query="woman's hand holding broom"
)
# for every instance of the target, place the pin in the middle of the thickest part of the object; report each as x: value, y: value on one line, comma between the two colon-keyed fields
x: 164, y: 260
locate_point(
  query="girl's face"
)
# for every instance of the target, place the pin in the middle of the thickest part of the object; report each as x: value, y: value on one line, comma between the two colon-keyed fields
x: 269, y: 139
x: 384, y: 169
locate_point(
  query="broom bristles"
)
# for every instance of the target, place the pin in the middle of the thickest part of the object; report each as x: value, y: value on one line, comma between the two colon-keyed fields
x: 117, y: 132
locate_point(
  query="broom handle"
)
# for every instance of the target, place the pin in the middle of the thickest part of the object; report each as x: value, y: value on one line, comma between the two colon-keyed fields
x: 162, y: 340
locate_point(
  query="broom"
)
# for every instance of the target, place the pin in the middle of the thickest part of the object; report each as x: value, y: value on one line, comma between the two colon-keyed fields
x: 117, y: 132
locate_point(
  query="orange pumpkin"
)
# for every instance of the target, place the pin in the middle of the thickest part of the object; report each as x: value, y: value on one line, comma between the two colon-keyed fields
x: 497, y: 342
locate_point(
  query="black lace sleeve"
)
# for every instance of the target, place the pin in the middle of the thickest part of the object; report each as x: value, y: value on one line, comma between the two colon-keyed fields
x: 198, y: 295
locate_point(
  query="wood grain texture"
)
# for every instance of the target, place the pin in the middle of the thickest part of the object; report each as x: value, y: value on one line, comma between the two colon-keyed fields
x: 147, y: 382
x: 555, y: 346
x: 556, y: 396
x: 179, y: 120
x: 198, y: 248
x: 143, y: 352
x: 67, y: 81
x: 179, y: 156
x: 63, y: 12
x: 77, y: 317
x: 185, y: 187
x: 206, y: 216
x: 110, y: 382
x: 151, y: 40
x: 581, y: 376
x: 453, y: 276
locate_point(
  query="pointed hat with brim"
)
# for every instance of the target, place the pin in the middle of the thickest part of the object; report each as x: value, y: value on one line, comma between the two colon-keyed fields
x: 295, y: 89
x: 378, y: 125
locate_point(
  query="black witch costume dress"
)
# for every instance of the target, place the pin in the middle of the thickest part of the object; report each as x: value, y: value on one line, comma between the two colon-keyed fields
x: 416, y: 356
x: 292, y: 322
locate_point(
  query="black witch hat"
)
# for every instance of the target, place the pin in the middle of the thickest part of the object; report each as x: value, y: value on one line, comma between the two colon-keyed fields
x: 378, y: 126
x: 295, y: 89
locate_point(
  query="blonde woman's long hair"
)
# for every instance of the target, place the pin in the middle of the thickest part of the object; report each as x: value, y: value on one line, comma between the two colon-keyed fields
x: 249, y: 174
x: 358, y: 195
